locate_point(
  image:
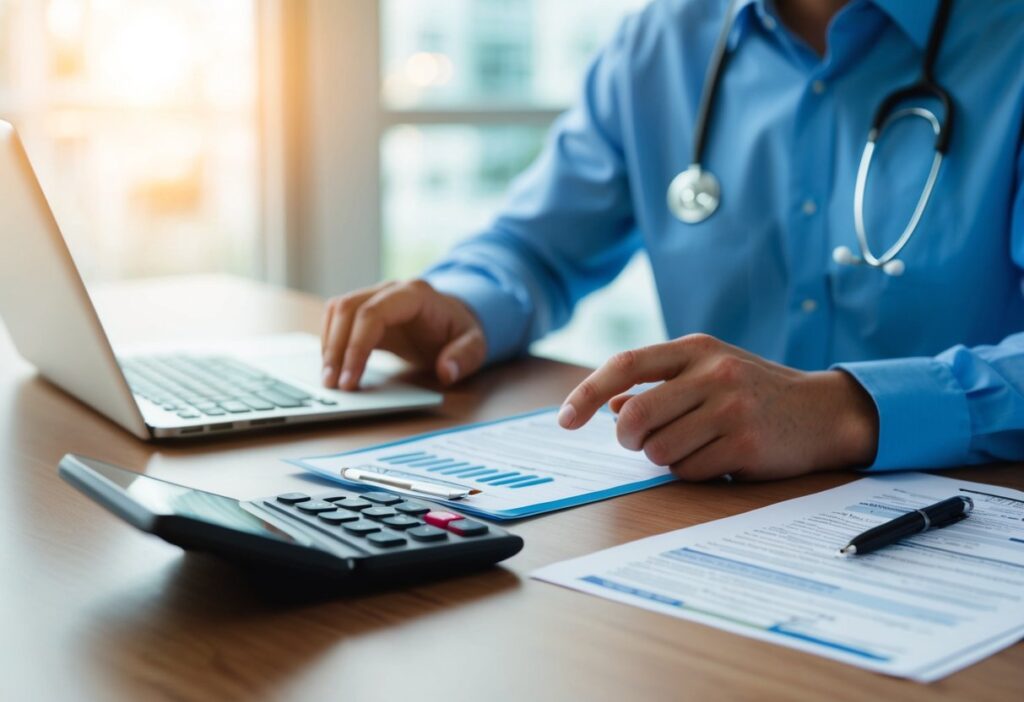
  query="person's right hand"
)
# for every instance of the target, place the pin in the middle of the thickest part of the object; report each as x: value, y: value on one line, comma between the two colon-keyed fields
x: 409, y: 319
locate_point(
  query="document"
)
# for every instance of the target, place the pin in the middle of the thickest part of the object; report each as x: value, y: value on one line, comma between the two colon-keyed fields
x: 922, y: 609
x: 522, y: 465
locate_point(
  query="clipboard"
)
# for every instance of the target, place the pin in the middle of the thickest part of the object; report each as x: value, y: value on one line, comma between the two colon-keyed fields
x: 516, y: 466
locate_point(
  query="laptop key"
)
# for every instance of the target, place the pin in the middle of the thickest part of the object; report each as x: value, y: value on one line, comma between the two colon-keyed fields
x: 188, y: 415
x: 278, y: 399
x: 256, y: 403
x: 234, y: 406
x: 289, y: 391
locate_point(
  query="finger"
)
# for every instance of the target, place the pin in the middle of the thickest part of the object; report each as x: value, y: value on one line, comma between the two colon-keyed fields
x: 682, y: 437
x: 714, y: 460
x: 646, y: 412
x: 338, y: 330
x: 462, y: 357
x: 389, y: 307
x: 620, y: 373
x: 615, y: 404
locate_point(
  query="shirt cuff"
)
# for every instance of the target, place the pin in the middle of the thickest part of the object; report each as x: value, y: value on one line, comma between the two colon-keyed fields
x: 923, y: 418
x: 499, y: 312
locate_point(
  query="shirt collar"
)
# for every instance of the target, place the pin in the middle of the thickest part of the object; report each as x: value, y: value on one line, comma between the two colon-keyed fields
x: 913, y: 17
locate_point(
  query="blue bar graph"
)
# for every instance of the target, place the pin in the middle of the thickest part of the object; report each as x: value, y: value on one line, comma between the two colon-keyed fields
x: 404, y: 457
x: 478, y: 471
x: 460, y: 469
x: 538, y: 481
x: 499, y: 476
x: 442, y: 465
x: 517, y: 479
x: 448, y: 466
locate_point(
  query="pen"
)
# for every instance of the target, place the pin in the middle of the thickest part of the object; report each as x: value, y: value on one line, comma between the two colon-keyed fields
x: 935, y: 516
x: 441, y: 491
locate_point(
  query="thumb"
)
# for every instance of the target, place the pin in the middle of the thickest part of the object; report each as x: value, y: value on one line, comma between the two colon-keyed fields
x: 462, y: 357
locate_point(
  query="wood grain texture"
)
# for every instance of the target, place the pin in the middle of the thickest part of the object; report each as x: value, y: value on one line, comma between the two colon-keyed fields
x: 93, y: 610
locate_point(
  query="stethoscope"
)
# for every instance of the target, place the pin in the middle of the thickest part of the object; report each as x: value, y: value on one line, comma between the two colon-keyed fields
x: 695, y: 194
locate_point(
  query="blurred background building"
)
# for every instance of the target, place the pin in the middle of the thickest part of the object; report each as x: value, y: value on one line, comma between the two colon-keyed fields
x: 321, y: 144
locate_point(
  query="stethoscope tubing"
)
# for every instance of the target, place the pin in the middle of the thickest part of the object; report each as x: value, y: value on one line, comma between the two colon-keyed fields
x: 695, y: 194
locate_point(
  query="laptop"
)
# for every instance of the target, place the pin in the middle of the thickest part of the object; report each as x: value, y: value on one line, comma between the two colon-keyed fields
x: 163, y: 392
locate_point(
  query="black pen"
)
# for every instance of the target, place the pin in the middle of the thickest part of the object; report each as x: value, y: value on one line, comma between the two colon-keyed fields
x: 935, y: 516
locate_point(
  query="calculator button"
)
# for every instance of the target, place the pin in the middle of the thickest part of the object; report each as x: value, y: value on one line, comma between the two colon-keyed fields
x: 412, y: 507
x: 385, y: 539
x: 378, y: 513
x: 440, y: 519
x: 291, y: 498
x: 465, y: 527
x: 382, y: 498
x: 360, y: 528
x: 355, y: 503
x: 401, y: 521
x: 315, y: 506
x: 333, y: 496
x: 338, y: 516
x: 427, y: 533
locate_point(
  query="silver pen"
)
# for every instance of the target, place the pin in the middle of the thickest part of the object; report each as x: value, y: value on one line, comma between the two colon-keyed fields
x: 422, y: 488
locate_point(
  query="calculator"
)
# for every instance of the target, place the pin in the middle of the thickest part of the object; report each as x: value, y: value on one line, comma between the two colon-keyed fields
x: 359, y: 537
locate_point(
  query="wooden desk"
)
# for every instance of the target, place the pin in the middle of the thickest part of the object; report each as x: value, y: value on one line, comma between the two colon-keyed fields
x: 93, y: 610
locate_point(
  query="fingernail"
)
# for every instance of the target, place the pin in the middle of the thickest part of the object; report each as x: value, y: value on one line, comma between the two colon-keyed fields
x: 345, y: 379
x: 326, y: 375
x: 451, y: 368
x: 566, y: 415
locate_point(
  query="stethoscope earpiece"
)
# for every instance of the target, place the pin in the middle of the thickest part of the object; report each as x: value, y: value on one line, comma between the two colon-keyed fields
x: 844, y: 257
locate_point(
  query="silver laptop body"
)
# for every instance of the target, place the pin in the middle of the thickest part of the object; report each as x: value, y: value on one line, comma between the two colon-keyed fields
x: 157, y: 392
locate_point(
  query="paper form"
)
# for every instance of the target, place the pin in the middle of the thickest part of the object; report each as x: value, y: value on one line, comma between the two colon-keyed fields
x: 523, y: 465
x: 922, y: 608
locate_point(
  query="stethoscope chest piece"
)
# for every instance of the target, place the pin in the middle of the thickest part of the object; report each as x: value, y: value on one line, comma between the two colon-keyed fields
x: 694, y: 194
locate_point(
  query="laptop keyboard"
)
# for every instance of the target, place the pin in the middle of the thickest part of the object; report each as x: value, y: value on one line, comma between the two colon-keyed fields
x: 200, y: 386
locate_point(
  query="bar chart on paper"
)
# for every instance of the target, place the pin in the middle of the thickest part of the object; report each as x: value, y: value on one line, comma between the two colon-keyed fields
x: 522, y: 465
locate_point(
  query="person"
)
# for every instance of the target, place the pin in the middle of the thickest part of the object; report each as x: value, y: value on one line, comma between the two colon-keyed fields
x: 784, y: 357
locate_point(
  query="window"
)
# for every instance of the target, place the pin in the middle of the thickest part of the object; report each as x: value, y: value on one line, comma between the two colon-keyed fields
x: 139, y: 117
x: 469, y: 89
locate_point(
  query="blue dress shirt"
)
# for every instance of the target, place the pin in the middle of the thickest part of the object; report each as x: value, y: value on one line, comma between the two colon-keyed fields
x: 939, y: 348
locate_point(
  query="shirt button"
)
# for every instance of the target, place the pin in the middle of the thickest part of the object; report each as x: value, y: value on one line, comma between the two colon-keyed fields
x: 808, y: 305
x: 809, y: 207
x: 818, y: 87
x: 769, y: 23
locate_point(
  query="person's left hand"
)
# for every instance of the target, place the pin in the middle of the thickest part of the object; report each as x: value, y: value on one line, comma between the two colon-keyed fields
x: 721, y: 410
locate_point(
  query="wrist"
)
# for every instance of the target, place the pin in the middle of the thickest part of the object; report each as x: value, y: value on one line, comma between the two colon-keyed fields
x: 848, y: 421
x: 854, y: 421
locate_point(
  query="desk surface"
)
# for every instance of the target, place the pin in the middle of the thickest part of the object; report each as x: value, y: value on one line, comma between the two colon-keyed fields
x: 92, y: 609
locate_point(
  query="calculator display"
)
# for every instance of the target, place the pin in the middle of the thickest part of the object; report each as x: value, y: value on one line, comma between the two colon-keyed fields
x: 164, y: 498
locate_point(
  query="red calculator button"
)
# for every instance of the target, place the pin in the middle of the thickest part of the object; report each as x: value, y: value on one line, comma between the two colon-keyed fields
x: 440, y: 519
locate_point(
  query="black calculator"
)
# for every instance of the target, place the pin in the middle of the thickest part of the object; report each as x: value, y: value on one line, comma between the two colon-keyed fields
x: 343, y: 534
